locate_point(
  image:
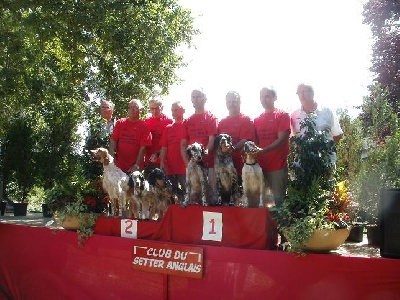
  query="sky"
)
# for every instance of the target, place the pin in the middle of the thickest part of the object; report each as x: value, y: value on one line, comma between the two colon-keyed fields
x: 246, y: 45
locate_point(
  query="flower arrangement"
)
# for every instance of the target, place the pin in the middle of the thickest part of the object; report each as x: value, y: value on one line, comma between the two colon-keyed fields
x: 339, y: 206
x: 82, y: 199
x: 314, y: 201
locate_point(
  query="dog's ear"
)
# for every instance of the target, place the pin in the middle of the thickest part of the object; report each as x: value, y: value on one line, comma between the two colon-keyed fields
x: 229, y: 139
x: 103, y: 152
x: 204, y: 151
x: 217, y: 140
x: 189, y: 151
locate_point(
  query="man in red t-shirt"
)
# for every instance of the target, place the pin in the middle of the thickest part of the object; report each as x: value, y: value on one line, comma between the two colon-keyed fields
x: 201, y: 127
x: 129, y: 139
x: 157, y: 123
x: 272, y: 131
x: 171, y: 161
x: 239, y: 126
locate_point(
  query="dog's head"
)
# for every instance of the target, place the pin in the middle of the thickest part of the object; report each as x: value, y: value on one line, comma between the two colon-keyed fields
x: 196, y: 152
x: 223, y: 143
x: 157, y: 178
x: 100, y: 155
x: 137, y: 181
x: 250, y: 147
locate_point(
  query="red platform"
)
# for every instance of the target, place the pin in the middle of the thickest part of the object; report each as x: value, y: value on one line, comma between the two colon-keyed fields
x: 250, y: 228
x: 42, y: 263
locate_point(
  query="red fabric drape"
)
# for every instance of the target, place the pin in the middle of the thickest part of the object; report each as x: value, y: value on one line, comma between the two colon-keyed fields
x: 41, y: 263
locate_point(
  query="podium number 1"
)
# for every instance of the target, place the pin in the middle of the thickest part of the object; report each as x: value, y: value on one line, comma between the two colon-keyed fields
x: 212, y: 231
x: 212, y: 226
x: 129, y: 228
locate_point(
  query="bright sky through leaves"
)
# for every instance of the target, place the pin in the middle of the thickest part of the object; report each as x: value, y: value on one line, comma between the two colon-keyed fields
x: 245, y: 45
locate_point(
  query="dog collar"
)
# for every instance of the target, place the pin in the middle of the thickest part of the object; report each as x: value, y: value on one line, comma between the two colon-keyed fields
x: 250, y: 164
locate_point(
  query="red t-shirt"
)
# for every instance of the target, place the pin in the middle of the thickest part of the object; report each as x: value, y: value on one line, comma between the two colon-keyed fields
x: 239, y: 128
x: 130, y: 136
x: 198, y: 129
x: 267, y: 127
x: 171, y: 139
x: 156, y: 127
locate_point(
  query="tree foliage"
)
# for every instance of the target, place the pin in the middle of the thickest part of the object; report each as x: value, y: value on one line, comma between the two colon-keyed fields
x: 349, y: 147
x: 380, y: 162
x: 56, y: 55
x: 383, y: 16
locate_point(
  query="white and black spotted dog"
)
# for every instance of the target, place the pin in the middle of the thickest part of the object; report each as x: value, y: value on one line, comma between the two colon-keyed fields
x: 160, y: 193
x: 252, y: 177
x: 198, y: 189
x: 138, y: 207
x: 115, y: 181
x: 225, y: 172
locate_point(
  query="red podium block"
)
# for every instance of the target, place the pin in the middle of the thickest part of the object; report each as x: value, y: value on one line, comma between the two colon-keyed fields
x: 251, y: 228
x: 112, y: 226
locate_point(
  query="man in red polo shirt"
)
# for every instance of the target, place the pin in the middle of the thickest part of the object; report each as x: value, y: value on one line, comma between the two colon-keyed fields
x: 239, y: 126
x: 272, y: 131
x: 171, y: 161
x: 129, y: 139
x: 201, y: 127
x: 157, y: 123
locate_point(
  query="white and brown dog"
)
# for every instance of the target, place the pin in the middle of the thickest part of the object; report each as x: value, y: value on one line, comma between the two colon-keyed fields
x: 198, y: 189
x: 115, y: 181
x: 252, y: 177
x: 225, y: 172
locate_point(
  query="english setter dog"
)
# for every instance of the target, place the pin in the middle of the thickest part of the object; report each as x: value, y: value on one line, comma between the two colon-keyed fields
x: 160, y: 194
x: 252, y: 177
x: 138, y: 209
x: 197, y: 186
x: 225, y: 172
x: 115, y: 181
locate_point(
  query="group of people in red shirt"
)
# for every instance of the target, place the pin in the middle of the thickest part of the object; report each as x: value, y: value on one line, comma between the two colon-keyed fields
x: 159, y: 141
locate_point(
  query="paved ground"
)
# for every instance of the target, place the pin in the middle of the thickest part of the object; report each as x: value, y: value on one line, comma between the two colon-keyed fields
x: 361, y: 249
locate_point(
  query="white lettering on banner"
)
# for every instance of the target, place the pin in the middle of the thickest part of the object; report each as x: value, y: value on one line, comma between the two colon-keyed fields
x: 212, y: 226
x: 168, y: 259
x: 129, y: 228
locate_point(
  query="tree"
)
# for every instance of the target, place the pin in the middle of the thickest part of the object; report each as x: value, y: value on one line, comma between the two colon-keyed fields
x: 18, y: 155
x: 383, y: 18
x: 55, y: 55
x: 349, y: 148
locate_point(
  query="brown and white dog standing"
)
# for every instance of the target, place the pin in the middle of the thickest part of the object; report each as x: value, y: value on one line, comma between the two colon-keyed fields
x: 198, y: 189
x: 160, y: 193
x: 225, y: 172
x: 115, y: 181
x: 252, y: 177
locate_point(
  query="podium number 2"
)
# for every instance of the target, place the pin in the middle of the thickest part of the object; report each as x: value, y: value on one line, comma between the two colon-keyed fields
x: 129, y: 228
x: 212, y: 226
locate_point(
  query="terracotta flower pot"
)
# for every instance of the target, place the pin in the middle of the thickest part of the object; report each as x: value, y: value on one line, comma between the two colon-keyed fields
x: 71, y: 223
x: 326, y: 240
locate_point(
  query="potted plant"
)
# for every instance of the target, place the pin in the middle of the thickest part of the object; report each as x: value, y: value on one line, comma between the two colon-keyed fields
x: 77, y: 204
x: 315, y: 204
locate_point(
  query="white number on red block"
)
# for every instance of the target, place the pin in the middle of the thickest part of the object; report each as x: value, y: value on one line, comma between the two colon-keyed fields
x: 212, y: 226
x: 129, y: 228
